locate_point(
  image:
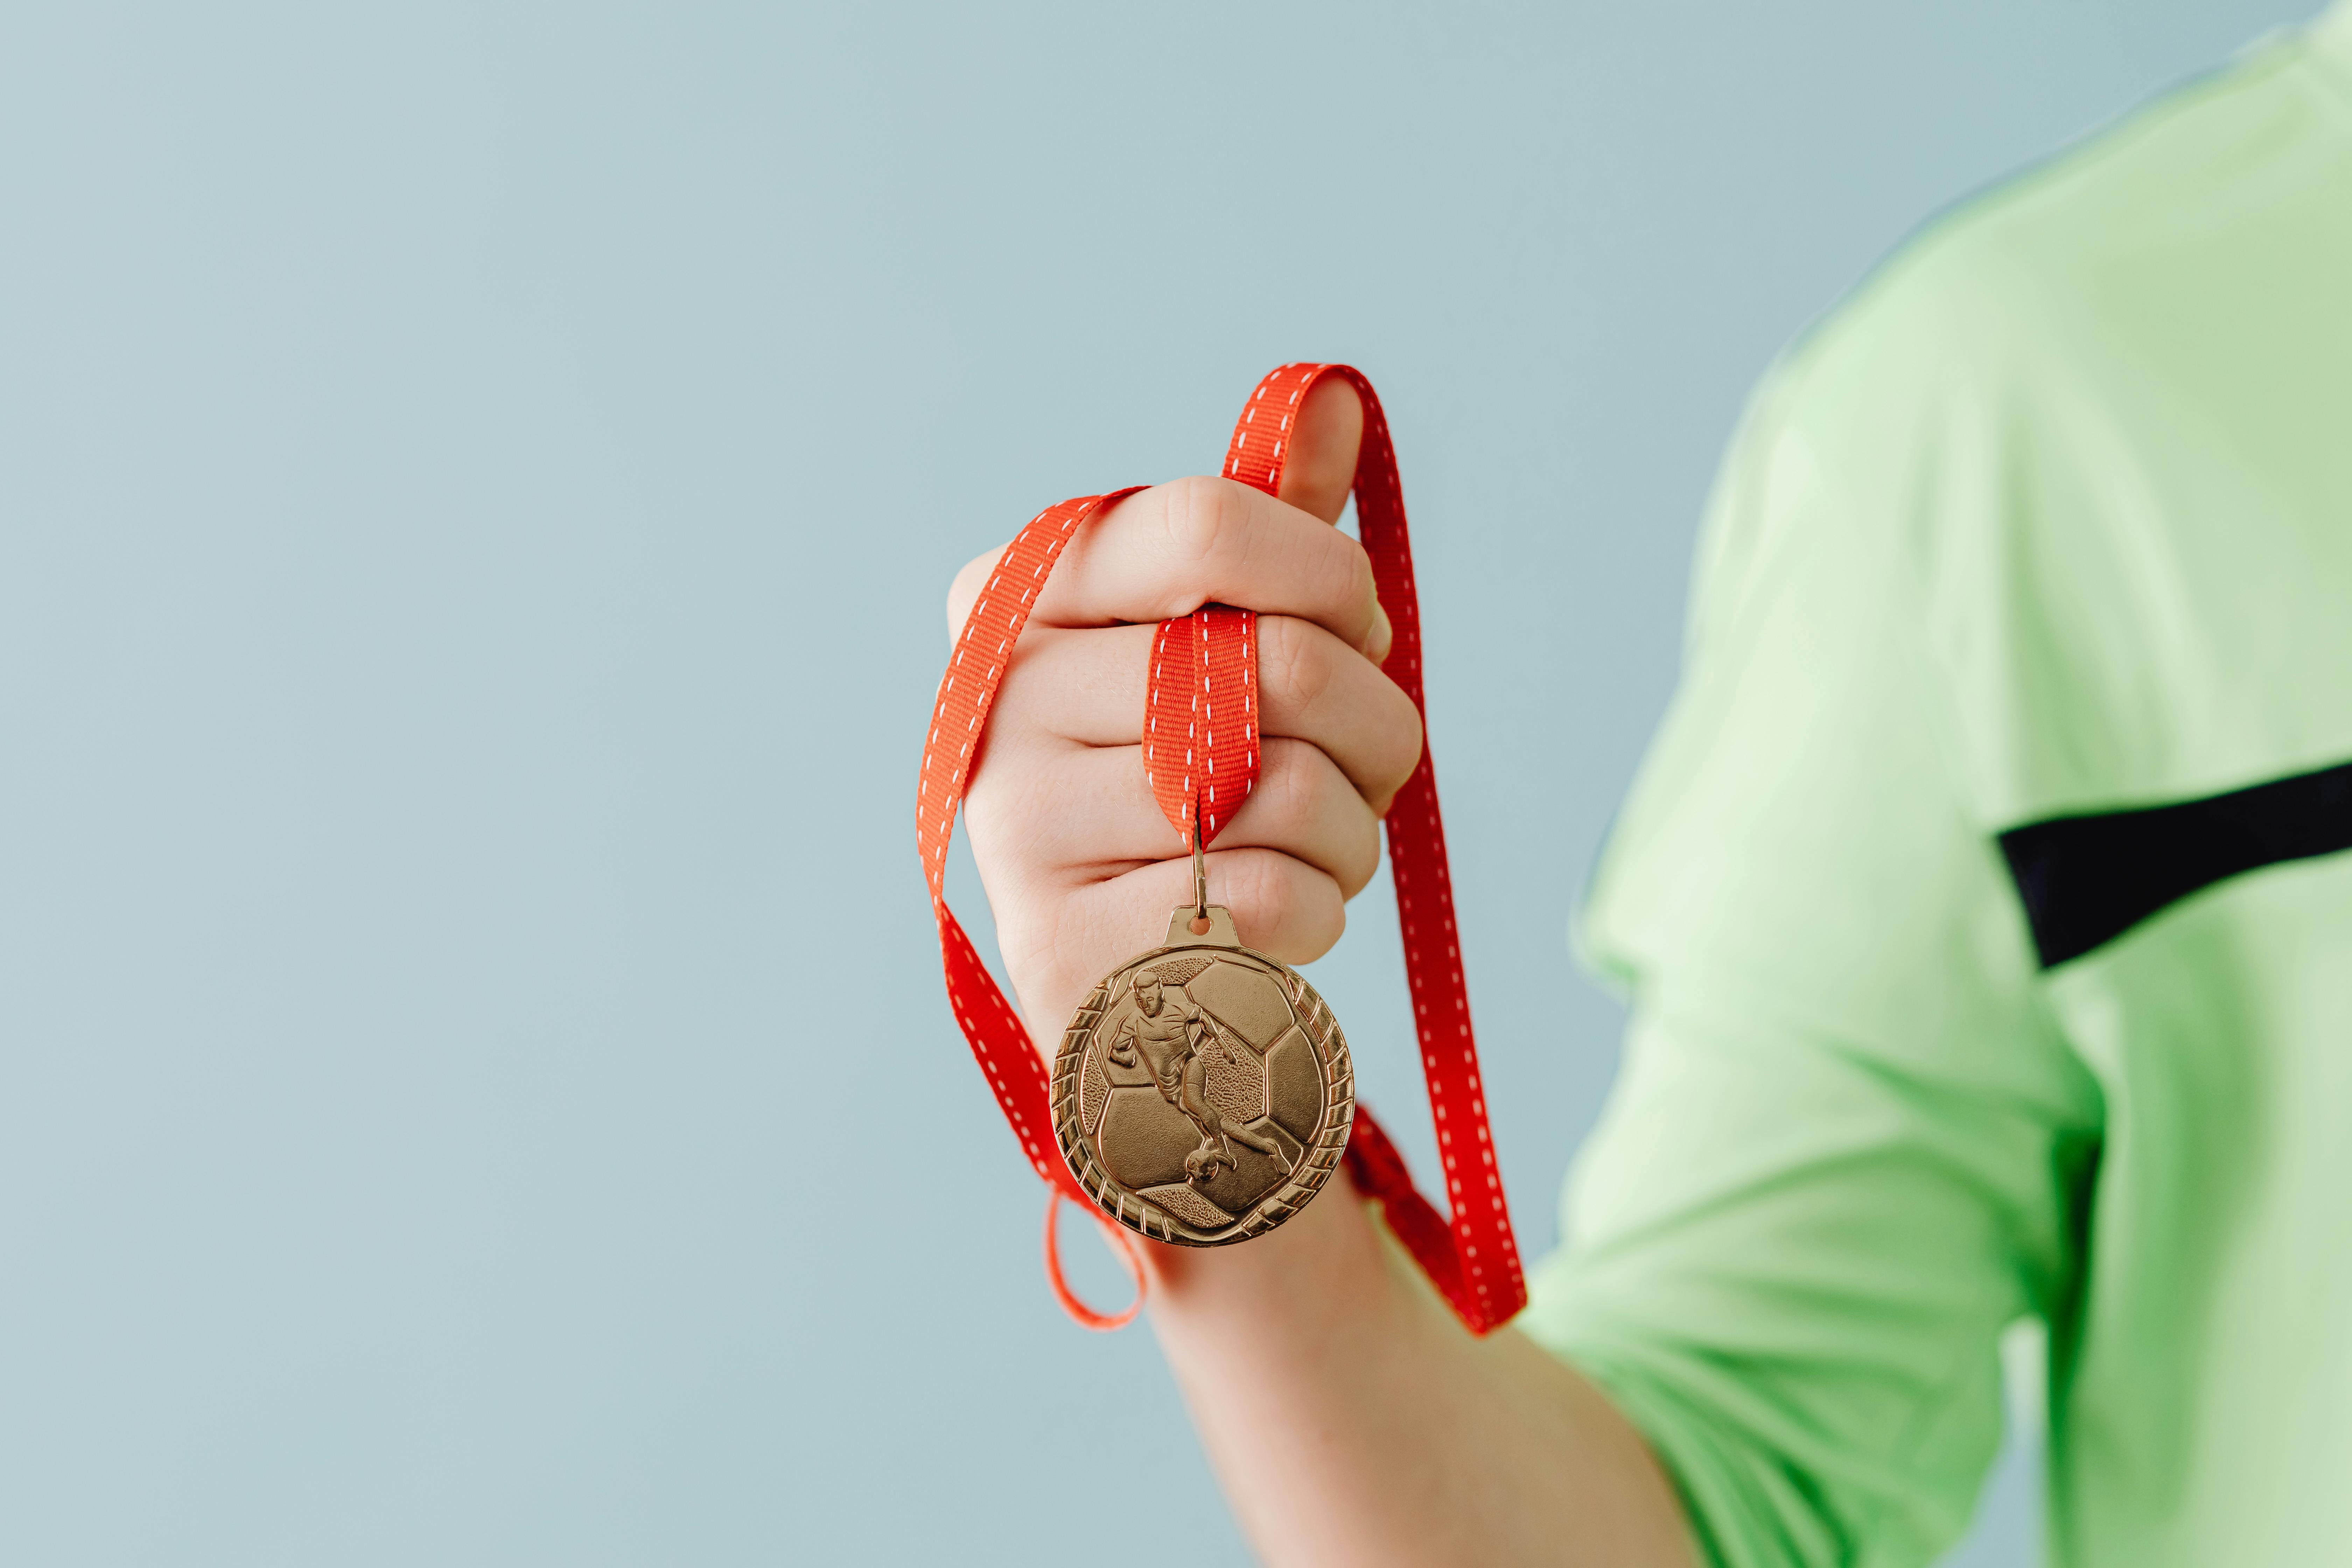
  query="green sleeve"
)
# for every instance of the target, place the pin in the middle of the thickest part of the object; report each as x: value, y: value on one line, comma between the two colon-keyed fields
x: 1841, y: 1154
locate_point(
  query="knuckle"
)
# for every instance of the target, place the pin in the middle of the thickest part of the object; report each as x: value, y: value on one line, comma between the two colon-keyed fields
x: 1288, y: 783
x: 1256, y: 888
x: 1309, y: 801
x: 1284, y: 905
x: 1342, y: 576
x: 1356, y: 564
x: 1205, y: 518
x: 1295, y: 661
x: 1402, y: 754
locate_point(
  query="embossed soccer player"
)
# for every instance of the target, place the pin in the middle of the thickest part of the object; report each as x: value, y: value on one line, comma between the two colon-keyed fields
x: 1172, y: 1033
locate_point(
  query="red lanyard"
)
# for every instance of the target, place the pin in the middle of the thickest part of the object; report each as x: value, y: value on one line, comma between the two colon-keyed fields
x: 1201, y: 752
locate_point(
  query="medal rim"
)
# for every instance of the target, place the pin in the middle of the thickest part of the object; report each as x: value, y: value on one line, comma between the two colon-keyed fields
x: 1139, y: 1213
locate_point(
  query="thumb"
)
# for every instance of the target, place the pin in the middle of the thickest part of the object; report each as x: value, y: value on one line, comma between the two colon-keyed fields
x: 1321, y: 463
x: 1320, y: 469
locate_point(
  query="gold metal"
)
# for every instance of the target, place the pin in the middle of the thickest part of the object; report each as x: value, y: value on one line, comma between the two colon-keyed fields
x: 1200, y: 884
x: 1204, y: 1091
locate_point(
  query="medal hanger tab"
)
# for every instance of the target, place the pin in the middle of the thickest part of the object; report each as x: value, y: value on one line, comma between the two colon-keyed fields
x: 1220, y: 924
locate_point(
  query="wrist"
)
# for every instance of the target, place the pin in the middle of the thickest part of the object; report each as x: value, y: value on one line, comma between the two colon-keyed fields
x: 1330, y: 1246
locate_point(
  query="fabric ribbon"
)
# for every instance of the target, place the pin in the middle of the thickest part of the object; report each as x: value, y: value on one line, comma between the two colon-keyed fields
x: 1202, y: 757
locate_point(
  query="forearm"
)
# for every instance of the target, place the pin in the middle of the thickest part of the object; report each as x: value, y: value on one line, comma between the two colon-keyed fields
x: 1353, y: 1421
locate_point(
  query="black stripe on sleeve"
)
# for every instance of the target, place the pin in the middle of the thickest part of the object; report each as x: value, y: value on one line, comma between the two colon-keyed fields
x: 2087, y: 879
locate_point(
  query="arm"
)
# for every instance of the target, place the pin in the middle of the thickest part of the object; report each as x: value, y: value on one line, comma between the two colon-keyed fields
x: 1353, y: 1421
x: 1352, y: 1418
x: 1848, y: 1142
x: 1206, y: 1035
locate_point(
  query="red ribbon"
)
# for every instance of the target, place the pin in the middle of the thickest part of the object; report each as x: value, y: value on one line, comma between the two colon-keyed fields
x: 1200, y: 719
x: 1202, y: 755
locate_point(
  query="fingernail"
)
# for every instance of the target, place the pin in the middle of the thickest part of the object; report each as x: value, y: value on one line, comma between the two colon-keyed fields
x: 1382, y: 634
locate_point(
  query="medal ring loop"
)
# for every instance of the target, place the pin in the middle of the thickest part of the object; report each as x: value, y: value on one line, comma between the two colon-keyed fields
x: 1199, y: 884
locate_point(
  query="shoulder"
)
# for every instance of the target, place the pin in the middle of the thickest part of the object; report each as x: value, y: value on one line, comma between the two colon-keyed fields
x: 2056, y: 273
x: 2076, y: 313
x: 1944, y: 498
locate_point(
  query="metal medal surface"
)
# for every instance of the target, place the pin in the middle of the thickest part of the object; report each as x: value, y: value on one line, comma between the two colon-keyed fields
x: 1203, y: 1093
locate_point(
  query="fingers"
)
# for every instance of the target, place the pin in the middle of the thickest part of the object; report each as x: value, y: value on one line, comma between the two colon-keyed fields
x: 1313, y: 687
x: 1320, y: 466
x: 1281, y: 907
x: 1165, y: 552
x: 1088, y: 687
x: 1078, y: 861
x: 1082, y: 814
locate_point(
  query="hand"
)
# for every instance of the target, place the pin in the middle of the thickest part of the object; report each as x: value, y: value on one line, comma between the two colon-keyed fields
x: 1081, y: 868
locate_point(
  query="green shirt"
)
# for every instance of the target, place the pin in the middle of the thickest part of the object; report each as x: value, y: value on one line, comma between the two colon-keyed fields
x: 1966, y: 985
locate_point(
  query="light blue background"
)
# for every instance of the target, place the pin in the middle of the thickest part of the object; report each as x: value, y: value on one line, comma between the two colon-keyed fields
x: 476, y: 489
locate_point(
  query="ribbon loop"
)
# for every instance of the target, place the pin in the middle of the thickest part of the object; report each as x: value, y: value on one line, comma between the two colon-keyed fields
x: 1200, y: 719
x: 1086, y: 1317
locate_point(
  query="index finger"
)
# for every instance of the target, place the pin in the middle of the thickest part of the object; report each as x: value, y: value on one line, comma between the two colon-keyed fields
x: 1165, y: 552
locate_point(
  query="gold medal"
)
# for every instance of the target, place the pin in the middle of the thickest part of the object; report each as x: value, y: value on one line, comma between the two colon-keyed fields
x: 1203, y: 1092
